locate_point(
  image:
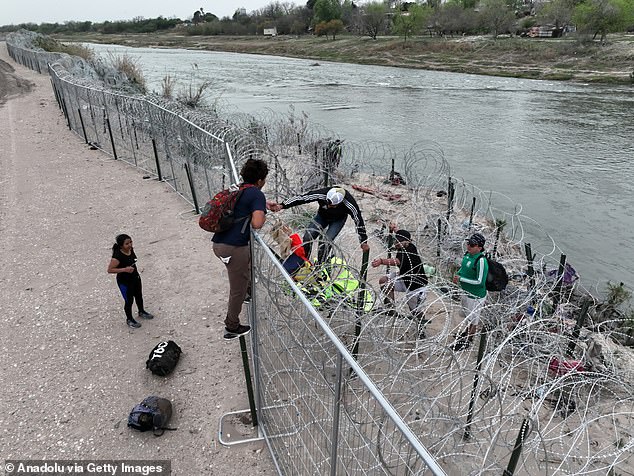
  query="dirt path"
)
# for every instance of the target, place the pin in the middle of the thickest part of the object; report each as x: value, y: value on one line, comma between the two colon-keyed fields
x: 71, y: 369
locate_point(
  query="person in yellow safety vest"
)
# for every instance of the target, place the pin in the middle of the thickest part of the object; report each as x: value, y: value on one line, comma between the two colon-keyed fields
x: 341, y: 283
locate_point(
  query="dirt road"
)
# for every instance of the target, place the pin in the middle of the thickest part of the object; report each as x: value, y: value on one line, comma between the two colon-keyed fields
x: 71, y: 369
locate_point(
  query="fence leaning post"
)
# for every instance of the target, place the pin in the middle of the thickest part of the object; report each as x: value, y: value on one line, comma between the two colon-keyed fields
x: 190, y: 179
x: 558, y: 284
x: 335, y: 418
x: 83, y: 128
x: 517, y: 450
x: 476, y: 378
x: 472, y: 209
x: 578, y: 325
x: 360, y: 303
x: 114, y: 149
x: 156, y: 159
x: 247, y: 378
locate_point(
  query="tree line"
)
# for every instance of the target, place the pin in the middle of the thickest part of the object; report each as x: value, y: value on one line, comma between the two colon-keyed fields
x: 590, y: 18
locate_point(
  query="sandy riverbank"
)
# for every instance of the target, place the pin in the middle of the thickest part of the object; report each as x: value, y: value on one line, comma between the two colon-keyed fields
x: 558, y: 59
x: 72, y: 370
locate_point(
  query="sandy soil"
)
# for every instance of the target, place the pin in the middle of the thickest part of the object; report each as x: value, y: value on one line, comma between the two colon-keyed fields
x: 71, y: 369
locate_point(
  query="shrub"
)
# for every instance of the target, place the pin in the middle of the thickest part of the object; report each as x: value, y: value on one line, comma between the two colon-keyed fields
x: 54, y: 46
x: 130, y: 67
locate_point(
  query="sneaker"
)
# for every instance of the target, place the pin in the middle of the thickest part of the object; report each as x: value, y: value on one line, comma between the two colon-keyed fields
x: 240, y: 331
x: 133, y: 323
x: 145, y: 315
x: 462, y: 342
x: 247, y: 299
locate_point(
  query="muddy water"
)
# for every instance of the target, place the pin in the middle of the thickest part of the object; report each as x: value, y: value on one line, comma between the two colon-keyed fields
x: 563, y: 151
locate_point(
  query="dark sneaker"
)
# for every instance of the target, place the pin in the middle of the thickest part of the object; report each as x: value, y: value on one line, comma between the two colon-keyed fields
x: 247, y: 299
x: 133, y: 323
x: 240, y: 331
x: 145, y: 315
x: 462, y: 342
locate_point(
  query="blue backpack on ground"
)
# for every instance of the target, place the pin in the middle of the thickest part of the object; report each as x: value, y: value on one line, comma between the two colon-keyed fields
x: 152, y: 413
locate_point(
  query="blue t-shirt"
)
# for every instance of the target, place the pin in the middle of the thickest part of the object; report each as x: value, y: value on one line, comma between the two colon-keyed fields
x: 252, y: 199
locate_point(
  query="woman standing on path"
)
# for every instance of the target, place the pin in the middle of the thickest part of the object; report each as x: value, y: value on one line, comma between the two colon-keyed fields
x: 123, y: 264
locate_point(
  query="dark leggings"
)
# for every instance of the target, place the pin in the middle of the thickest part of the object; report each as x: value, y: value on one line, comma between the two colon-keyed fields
x: 131, y: 291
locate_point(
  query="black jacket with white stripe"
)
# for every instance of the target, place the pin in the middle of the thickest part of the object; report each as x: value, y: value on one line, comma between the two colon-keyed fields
x: 330, y: 214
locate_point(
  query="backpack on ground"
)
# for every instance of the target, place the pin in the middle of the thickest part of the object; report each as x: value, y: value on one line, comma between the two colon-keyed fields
x: 497, y: 278
x: 218, y: 214
x: 152, y: 414
x: 163, y: 358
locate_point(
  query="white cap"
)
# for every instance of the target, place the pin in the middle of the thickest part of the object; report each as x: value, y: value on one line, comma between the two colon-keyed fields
x: 335, y: 195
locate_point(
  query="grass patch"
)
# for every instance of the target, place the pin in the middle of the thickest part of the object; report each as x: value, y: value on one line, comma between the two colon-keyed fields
x: 130, y: 66
x: 51, y: 45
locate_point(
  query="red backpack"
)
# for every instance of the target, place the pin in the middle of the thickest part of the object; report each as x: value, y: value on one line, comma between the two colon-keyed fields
x: 217, y: 215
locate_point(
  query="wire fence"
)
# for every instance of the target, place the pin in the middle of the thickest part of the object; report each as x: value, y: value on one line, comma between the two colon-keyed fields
x: 343, y: 385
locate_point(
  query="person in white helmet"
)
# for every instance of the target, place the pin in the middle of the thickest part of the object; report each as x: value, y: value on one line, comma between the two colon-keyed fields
x: 335, y: 205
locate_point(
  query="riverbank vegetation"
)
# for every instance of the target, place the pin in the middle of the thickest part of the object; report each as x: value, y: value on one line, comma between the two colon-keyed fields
x: 583, y: 40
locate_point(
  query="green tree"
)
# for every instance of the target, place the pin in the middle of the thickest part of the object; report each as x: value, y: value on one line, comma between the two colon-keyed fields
x: 496, y: 16
x: 373, y: 18
x: 411, y: 22
x: 326, y: 10
x: 326, y: 28
x: 600, y: 17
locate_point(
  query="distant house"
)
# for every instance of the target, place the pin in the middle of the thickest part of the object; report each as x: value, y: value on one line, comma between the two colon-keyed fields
x: 270, y: 31
x: 545, y: 31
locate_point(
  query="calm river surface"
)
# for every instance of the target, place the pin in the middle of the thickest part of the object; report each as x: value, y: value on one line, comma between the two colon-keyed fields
x: 565, y: 152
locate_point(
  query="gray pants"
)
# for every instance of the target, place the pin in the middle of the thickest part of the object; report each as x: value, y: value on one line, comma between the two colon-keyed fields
x: 237, y: 260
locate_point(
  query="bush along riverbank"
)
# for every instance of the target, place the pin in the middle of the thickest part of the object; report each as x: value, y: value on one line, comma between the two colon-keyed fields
x: 533, y: 58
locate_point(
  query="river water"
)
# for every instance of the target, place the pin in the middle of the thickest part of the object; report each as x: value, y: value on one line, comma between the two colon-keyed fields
x: 564, y: 151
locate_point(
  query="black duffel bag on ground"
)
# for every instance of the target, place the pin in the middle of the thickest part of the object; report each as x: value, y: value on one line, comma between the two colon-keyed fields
x: 163, y: 358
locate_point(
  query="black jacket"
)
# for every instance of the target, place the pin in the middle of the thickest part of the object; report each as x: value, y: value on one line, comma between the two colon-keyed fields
x: 347, y: 207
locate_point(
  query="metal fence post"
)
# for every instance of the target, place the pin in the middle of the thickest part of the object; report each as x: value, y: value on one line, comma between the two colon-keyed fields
x: 517, y: 449
x: 472, y: 209
x: 578, y: 325
x: 81, y: 120
x: 450, y: 196
x: 439, y: 230
x: 558, y: 284
x: 158, y: 164
x: 247, y: 378
x: 65, y: 110
x: 335, y: 418
x: 190, y: 179
x: 114, y: 150
x: 360, y: 302
x: 531, y: 271
x: 476, y: 378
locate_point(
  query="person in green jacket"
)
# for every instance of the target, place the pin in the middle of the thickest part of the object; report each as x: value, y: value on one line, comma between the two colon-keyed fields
x: 472, y: 277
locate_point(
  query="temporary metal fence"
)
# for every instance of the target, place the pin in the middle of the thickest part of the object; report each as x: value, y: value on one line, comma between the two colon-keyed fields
x: 196, y: 163
x: 544, y: 390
